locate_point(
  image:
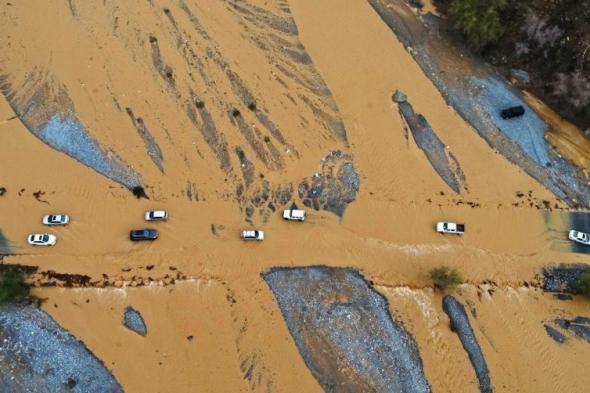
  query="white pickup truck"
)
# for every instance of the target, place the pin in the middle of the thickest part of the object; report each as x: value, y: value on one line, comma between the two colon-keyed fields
x: 294, y: 214
x: 450, y: 227
x: 252, y: 234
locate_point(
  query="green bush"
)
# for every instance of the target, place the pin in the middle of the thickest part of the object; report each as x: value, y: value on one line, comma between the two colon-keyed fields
x: 12, y: 286
x: 479, y: 20
x: 445, y: 278
x: 584, y: 284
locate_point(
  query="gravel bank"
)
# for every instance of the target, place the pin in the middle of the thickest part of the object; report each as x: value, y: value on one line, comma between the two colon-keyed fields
x: 37, y: 355
x: 133, y: 320
x: 563, y: 278
x: 345, y: 332
x: 460, y: 325
x: 441, y: 159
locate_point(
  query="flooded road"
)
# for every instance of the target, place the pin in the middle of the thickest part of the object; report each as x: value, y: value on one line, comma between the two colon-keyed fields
x: 239, y: 103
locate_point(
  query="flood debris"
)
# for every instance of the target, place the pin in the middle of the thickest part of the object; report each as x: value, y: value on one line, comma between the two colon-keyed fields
x: 438, y: 154
x: 334, y: 187
x: 139, y: 192
x: 38, y: 355
x: 344, y: 331
x: 216, y: 229
x: 460, y: 324
x: 133, y: 321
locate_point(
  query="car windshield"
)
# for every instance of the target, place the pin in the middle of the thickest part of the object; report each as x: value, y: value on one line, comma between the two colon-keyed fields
x: 45, y: 238
x: 52, y: 218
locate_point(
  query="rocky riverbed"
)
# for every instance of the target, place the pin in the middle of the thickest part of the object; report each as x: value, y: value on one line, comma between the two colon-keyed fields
x: 37, y: 355
x: 345, y: 332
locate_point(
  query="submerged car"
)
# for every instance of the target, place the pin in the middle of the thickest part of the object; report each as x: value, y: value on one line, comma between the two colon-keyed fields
x: 56, y: 219
x: 156, y: 215
x: 41, y: 239
x: 512, y: 112
x: 579, y: 237
x: 252, y: 234
x: 143, y: 234
x: 450, y: 227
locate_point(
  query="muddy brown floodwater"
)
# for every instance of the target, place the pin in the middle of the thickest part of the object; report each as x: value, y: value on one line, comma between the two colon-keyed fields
x: 220, y: 111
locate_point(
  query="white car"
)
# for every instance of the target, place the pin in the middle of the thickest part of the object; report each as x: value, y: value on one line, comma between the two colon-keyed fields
x: 579, y: 237
x: 252, y: 234
x: 42, y: 239
x: 294, y: 214
x: 56, y: 219
x: 156, y: 215
x: 450, y: 227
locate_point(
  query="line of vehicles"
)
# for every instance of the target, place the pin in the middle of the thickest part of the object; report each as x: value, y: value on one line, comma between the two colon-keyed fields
x: 459, y: 229
x: 293, y: 214
x: 48, y: 239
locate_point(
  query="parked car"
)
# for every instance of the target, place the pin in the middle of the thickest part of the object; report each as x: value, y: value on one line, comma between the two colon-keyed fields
x: 450, y: 227
x: 143, y: 234
x: 513, y: 111
x: 56, y: 219
x: 579, y: 237
x: 253, y: 234
x: 294, y: 214
x: 41, y: 239
x: 156, y: 215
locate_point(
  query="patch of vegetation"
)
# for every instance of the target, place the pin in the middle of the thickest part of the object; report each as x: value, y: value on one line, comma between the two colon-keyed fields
x: 252, y: 106
x: 445, y: 278
x: 200, y: 104
x: 12, y: 285
x: 584, y: 284
x: 479, y: 20
x: 139, y: 192
x: 235, y: 113
x: 548, y: 39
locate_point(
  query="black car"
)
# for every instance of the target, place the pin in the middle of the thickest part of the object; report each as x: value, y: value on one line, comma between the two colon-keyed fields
x: 143, y: 234
x: 513, y: 111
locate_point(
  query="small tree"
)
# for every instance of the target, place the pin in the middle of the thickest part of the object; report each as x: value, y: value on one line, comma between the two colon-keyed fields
x: 445, y: 278
x: 479, y: 20
x: 12, y: 286
x: 584, y: 284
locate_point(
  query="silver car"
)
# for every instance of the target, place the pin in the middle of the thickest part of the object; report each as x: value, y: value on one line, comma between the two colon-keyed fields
x: 41, y: 239
x: 56, y: 219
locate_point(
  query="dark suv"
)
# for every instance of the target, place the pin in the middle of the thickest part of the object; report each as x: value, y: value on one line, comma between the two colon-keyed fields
x: 143, y: 234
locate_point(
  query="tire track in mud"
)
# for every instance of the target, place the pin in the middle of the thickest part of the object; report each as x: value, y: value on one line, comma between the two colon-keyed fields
x: 152, y: 147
